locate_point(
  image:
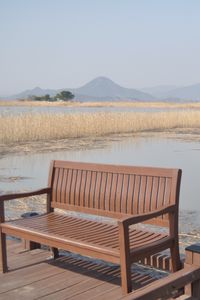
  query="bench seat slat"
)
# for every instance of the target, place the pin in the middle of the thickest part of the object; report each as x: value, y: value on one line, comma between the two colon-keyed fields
x: 101, y: 235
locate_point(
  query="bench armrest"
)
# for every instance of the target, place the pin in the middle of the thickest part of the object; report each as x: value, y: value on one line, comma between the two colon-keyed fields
x: 124, y: 223
x: 146, y: 216
x: 7, y: 197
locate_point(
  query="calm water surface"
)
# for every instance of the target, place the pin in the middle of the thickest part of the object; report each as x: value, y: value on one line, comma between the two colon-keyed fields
x: 129, y: 151
x: 16, y: 110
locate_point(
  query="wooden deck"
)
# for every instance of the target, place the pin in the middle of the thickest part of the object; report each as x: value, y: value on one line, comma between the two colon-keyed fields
x: 34, y: 275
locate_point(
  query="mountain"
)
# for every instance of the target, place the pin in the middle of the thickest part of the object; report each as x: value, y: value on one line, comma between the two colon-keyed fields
x: 99, y: 89
x: 37, y: 91
x: 104, y: 89
x: 173, y: 93
x: 191, y: 92
x: 159, y: 91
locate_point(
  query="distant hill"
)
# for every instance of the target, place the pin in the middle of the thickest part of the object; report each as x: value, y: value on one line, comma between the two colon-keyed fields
x: 37, y: 91
x: 159, y: 91
x: 191, y: 92
x: 104, y: 89
x: 99, y: 89
x: 173, y: 93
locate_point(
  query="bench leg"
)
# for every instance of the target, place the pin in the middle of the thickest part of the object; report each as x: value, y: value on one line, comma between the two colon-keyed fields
x: 196, y: 289
x: 30, y: 245
x: 175, y: 257
x: 3, y: 254
x: 55, y: 252
x: 34, y: 245
x: 126, y: 277
x: 125, y: 262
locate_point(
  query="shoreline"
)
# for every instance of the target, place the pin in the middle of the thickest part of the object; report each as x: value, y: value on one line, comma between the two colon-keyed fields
x: 92, y: 142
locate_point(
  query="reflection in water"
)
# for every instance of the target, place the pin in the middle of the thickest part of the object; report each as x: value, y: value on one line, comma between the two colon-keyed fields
x: 130, y: 151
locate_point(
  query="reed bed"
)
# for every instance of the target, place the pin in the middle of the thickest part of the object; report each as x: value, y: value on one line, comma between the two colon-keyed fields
x: 38, y: 127
x: 137, y: 104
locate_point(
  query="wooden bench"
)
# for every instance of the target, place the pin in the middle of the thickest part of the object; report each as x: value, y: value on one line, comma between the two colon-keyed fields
x: 128, y: 194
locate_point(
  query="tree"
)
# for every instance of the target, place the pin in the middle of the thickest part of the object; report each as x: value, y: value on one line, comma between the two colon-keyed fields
x: 46, y: 97
x: 42, y: 98
x: 65, y: 96
x: 37, y: 98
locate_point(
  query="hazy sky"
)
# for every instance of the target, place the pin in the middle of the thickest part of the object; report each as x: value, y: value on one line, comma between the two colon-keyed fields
x: 66, y: 43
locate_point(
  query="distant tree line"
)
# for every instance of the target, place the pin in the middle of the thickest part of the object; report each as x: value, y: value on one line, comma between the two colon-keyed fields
x: 63, y: 96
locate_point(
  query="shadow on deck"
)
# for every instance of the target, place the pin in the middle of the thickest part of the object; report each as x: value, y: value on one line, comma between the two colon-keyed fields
x: 35, y: 275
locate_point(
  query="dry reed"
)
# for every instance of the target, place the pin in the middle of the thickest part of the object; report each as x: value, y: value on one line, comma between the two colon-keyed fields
x: 137, y: 104
x: 37, y: 127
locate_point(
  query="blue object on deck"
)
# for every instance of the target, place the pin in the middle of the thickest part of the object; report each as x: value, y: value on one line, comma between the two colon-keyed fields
x: 29, y: 214
x: 194, y: 248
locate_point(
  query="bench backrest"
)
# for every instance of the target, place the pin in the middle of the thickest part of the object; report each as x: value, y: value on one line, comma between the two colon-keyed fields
x: 113, y: 190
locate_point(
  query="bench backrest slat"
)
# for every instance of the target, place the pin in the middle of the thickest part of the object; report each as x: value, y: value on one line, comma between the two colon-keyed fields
x: 113, y: 190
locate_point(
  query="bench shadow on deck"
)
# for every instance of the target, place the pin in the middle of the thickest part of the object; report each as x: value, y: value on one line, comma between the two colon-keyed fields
x: 34, y: 275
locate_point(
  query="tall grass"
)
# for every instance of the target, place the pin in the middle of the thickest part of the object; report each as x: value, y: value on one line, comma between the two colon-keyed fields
x: 37, y: 127
x: 137, y: 104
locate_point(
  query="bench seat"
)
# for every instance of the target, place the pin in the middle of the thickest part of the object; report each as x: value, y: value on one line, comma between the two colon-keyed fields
x: 83, y: 233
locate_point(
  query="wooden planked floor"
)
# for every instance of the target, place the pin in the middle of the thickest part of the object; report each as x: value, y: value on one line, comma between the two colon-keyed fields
x: 35, y: 275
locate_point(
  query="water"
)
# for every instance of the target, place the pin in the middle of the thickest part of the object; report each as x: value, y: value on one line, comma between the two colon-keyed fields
x: 129, y: 151
x: 16, y: 110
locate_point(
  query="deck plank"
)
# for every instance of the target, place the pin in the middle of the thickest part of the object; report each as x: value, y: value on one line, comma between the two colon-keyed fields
x: 35, y: 275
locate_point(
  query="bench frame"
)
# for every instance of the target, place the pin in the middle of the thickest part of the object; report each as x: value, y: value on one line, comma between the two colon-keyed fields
x: 125, y: 220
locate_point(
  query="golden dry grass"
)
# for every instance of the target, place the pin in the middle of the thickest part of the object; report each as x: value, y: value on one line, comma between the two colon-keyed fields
x: 136, y: 104
x: 38, y: 127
